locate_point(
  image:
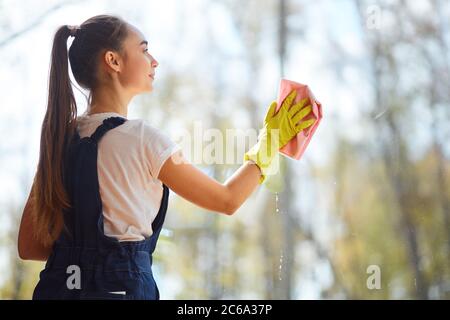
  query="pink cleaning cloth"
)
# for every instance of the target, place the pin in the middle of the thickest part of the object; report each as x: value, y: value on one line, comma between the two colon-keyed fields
x: 297, y: 146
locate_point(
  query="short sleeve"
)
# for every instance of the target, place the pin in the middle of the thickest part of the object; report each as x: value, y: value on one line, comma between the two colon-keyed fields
x: 158, y: 147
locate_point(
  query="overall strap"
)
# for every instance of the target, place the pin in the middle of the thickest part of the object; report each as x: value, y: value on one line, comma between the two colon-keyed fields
x: 159, y: 219
x: 87, y: 210
x: 108, y: 124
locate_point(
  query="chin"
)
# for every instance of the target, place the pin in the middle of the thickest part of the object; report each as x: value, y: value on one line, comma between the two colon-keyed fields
x: 148, y: 88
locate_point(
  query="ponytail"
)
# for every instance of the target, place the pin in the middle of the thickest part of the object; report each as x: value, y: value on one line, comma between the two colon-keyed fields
x: 48, y: 192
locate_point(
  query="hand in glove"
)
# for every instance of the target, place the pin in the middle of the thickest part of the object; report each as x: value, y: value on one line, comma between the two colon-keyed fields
x: 278, y: 130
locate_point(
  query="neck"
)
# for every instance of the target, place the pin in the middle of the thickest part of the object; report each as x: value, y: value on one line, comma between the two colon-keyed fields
x: 109, y: 99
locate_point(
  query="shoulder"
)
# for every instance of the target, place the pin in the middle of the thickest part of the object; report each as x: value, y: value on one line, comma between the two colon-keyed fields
x: 138, y: 128
x: 146, y: 131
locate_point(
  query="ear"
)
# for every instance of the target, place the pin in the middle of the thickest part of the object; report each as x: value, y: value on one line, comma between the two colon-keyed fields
x: 113, y: 61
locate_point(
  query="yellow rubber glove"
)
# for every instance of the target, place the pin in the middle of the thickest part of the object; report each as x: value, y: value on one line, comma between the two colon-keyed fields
x: 278, y: 130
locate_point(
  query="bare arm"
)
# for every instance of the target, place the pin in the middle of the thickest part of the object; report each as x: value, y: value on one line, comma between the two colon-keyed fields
x: 195, y: 186
x: 29, y: 248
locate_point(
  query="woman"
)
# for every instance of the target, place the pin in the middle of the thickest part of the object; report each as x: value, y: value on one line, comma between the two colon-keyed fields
x: 101, y: 178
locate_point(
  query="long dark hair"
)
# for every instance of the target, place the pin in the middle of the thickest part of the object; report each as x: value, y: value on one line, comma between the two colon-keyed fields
x: 93, y: 38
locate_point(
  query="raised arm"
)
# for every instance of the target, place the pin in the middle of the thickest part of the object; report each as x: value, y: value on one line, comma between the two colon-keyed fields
x: 198, y: 188
x: 195, y: 186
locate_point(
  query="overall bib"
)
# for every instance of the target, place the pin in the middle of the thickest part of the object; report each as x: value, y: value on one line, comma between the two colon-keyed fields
x: 84, y: 262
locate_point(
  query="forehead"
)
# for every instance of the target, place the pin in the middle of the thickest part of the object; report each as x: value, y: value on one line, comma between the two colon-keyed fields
x: 135, y: 36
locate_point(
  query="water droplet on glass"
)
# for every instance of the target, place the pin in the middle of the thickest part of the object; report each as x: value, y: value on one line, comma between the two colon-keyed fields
x: 281, y: 266
x: 380, y: 114
x: 276, y: 202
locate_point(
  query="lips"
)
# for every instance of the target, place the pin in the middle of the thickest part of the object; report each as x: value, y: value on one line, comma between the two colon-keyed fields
x: 152, y: 76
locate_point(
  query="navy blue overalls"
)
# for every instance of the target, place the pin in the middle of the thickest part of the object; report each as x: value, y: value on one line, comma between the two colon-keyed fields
x: 85, y: 263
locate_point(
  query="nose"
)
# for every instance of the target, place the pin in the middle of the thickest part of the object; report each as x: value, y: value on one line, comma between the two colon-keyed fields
x: 154, y: 63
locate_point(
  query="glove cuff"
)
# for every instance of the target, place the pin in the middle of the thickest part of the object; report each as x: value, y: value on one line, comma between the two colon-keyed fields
x: 252, y: 159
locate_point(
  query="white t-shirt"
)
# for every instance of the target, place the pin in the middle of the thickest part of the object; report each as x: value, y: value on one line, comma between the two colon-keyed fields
x: 130, y: 157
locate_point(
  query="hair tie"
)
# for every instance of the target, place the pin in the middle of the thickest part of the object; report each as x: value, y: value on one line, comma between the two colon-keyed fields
x: 73, y: 30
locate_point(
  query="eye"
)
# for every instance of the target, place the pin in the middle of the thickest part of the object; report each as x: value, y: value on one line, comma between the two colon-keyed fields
x: 146, y: 50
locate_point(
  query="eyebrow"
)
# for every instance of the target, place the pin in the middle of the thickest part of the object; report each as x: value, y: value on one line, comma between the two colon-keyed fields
x: 143, y: 42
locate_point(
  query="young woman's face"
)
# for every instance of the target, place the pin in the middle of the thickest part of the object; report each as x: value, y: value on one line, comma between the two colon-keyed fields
x: 138, y: 69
